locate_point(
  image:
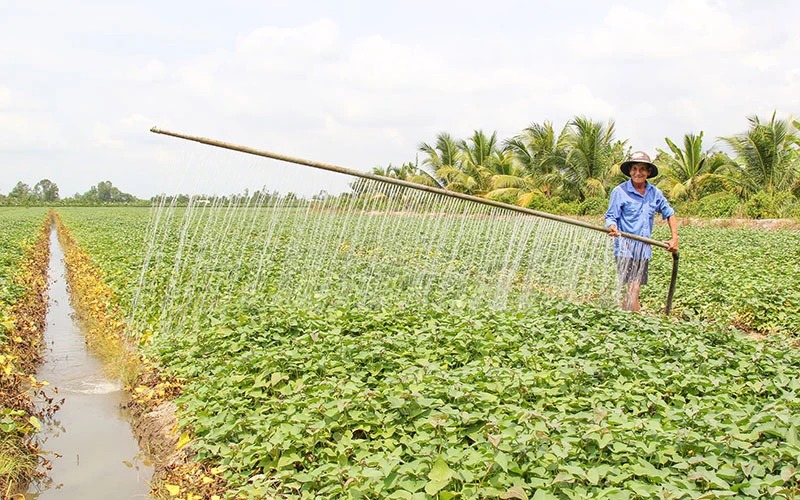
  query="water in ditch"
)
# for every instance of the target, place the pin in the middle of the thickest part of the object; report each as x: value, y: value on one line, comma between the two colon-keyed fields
x: 89, y: 443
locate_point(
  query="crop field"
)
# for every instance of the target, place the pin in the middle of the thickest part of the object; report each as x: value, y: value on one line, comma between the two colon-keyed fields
x: 18, y: 231
x: 315, y: 368
x: 731, y: 276
x: 23, y: 262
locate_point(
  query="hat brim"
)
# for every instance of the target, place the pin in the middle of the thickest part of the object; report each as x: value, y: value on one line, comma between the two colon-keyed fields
x: 626, y: 168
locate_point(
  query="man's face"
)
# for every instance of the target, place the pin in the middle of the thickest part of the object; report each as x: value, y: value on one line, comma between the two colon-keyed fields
x: 639, y: 172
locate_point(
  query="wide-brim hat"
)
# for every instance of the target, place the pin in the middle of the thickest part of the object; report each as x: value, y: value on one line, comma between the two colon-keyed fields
x: 638, y: 157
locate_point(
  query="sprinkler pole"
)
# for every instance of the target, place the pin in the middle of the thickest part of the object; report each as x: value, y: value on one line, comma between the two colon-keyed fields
x: 430, y: 189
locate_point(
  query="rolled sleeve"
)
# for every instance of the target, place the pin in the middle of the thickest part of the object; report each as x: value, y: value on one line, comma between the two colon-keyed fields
x: 664, y: 207
x: 614, y: 208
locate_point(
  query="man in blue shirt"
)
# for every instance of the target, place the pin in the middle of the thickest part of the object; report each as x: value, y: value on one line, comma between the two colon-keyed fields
x: 632, y: 209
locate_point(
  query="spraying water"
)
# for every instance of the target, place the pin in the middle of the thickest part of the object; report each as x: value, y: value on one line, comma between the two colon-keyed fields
x: 346, y: 251
x: 425, y: 244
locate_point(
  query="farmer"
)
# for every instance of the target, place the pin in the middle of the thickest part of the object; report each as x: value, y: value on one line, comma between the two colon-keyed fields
x: 631, y: 209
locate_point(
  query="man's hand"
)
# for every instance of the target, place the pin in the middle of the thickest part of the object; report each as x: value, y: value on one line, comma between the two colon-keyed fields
x: 672, y: 244
x: 614, y: 232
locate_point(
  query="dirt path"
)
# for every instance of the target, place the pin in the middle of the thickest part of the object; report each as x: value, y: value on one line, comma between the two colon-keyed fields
x: 767, y: 224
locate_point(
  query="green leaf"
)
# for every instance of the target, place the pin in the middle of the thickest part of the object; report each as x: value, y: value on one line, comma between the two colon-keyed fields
x: 515, y: 492
x: 277, y: 378
x: 501, y: 459
x: 440, y: 471
x: 595, y: 474
x: 433, y: 487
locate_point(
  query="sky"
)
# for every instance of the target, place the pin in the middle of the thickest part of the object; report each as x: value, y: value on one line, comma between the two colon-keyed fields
x: 361, y: 84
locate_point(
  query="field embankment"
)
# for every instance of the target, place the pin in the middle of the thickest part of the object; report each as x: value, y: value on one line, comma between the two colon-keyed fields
x: 24, y: 254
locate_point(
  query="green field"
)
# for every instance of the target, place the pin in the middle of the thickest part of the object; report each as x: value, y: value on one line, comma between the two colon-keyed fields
x: 21, y: 282
x: 19, y: 228
x: 298, y: 382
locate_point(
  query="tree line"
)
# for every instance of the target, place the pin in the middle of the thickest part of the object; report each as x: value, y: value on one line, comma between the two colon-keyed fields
x: 568, y: 171
x: 572, y: 170
x: 46, y: 192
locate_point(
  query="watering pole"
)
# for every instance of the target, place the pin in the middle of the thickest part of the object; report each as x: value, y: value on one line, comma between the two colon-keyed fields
x: 430, y: 189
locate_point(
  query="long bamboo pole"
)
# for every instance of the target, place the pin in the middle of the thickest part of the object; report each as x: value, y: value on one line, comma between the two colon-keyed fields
x: 422, y: 187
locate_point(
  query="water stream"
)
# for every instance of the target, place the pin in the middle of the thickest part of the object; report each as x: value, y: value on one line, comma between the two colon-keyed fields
x: 89, y: 443
x: 346, y: 251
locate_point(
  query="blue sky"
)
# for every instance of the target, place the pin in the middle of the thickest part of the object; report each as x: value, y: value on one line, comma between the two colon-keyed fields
x: 361, y: 84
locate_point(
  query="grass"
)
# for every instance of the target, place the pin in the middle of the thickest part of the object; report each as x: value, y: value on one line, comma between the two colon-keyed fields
x: 17, y: 464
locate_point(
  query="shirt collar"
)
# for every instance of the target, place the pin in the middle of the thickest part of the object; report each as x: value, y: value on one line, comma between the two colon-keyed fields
x: 628, y: 186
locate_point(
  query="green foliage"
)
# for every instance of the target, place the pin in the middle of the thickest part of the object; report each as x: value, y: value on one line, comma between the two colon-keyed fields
x: 564, y: 208
x: 589, y: 155
x: 761, y: 206
x: 743, y: 277
x: 767, y: 154
x: 787, y: 205
x: 104, y: 192
x: 688, y: 173
x: 46, y: 193
x: 300, y: 396
x: 717, y: 205
x: 539, y: 202
x: 560, y: 398
x: 582, y: 161
x: 18, y: 230
x: 593, y: 206
x: 46, y: 190
x: 505, y: 197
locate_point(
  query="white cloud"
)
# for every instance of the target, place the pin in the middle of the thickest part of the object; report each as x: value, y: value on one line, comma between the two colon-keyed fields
x: 581, y: 100
x: 153, y: 71
x: 120, y: 133
x: 25, y: 124
x: 102, y: 137
x: 677, y: 29
x: 345, y: 84
x: 287, y: 50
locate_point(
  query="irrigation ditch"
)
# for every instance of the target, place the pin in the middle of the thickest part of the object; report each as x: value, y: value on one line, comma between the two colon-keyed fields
x: 148, y: 394
x: 88, y: 442
x: 84, y: 414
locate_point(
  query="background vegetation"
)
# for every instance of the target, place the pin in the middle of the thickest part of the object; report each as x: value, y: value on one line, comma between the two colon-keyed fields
x: 571, y: 171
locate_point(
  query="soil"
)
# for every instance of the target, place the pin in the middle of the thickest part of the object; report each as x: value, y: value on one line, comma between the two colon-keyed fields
x: 766, y: 224
x: 154, y: 428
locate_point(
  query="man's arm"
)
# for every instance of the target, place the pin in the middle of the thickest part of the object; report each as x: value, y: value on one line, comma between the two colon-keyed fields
x: 673, y: 229
x: 612, y: 214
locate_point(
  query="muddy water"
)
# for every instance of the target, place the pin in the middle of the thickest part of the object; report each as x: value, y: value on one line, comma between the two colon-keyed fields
x: 90, y: 444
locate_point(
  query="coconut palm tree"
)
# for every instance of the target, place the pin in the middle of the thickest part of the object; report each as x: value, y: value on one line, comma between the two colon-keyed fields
x: 767, y: 156
x: 685, y: 172
x: 588, y: 145
x: 796, y: 161
x: 541, y: 162
x: 444, y: 160
x: 620, y: 151
x: 466, y: 166
x: 481, y: 159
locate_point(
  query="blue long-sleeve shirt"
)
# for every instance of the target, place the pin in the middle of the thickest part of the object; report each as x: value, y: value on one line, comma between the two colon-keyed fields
x: 633, y: 213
